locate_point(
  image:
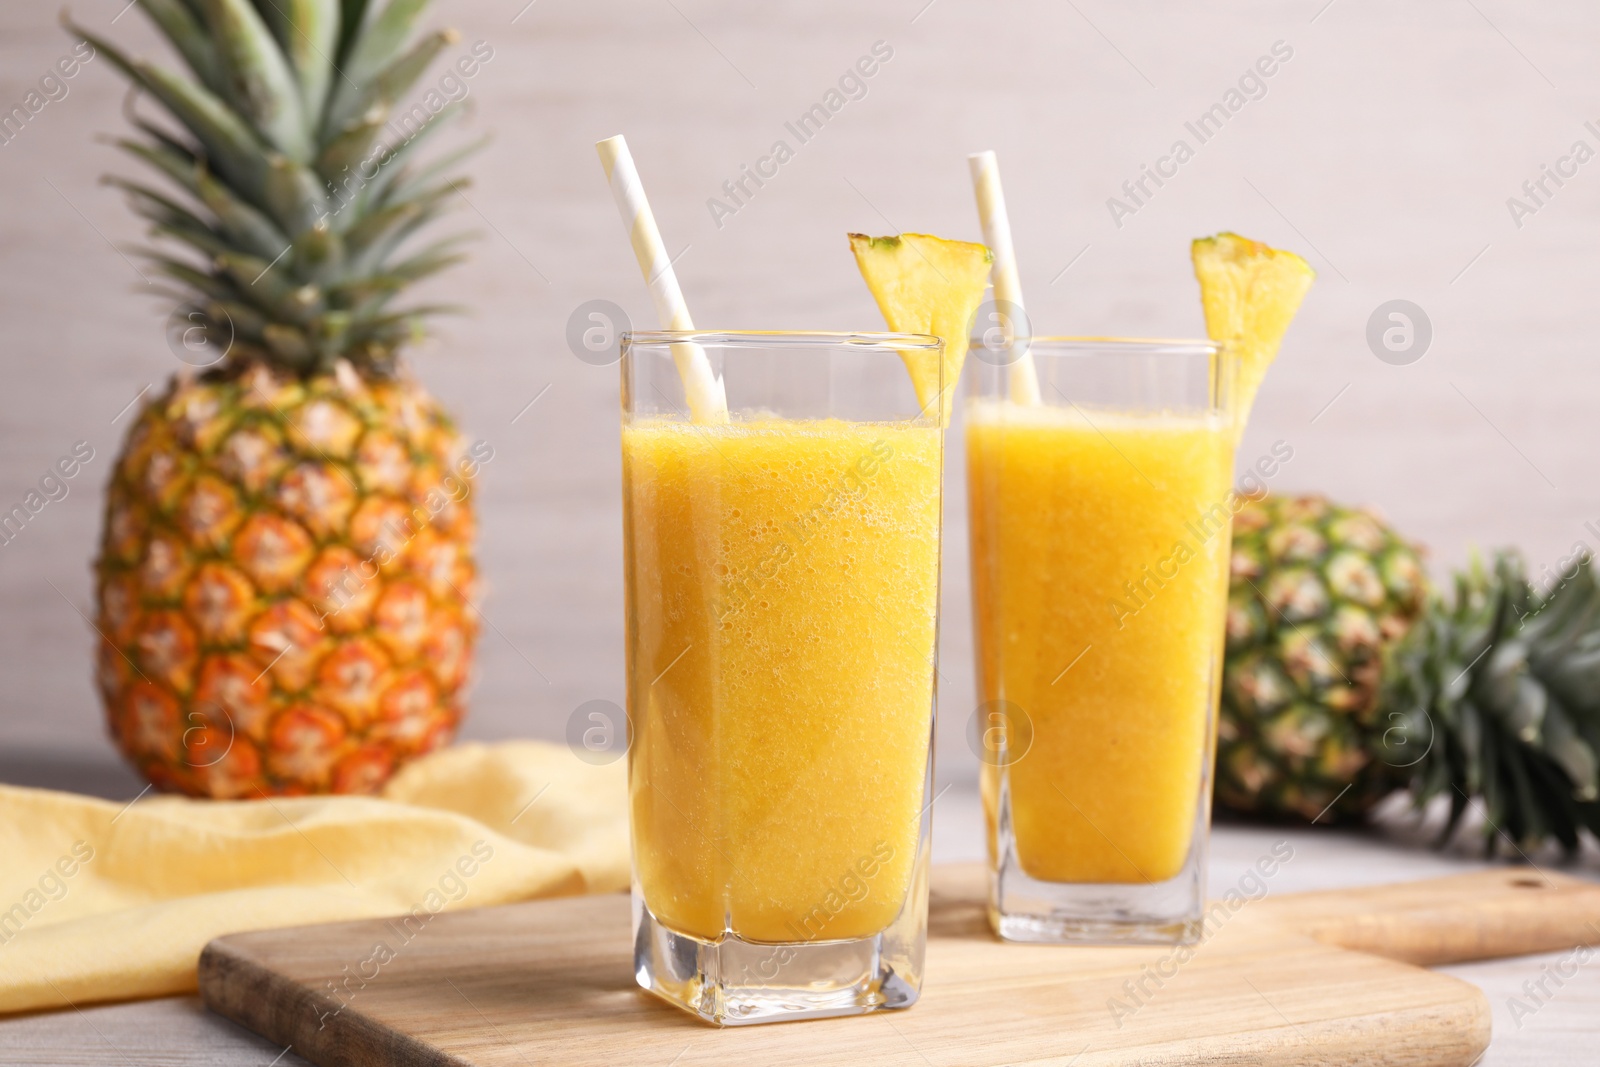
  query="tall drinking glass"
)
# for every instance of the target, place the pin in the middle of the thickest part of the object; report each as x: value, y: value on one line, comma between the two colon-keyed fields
x: 782, y: 576
x: 1101, y: 521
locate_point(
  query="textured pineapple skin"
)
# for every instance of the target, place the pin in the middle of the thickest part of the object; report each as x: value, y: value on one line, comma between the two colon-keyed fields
x: 1318, y: 592
x: 284, y: 584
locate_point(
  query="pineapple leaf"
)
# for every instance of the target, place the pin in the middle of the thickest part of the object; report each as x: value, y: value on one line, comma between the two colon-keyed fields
x: 308, y: 33
x: 247, y: 321
x: 379, y: 41
x: 1554, y: 786
x: 154, y: 206
x: 381, y: 325
x: 319, y: 255
x: 1494, y: 812
x: 232, y: 147
x: 216, y: 288
x: 288, y: 343
x: 381, y: 233
x: 385, y: 88
x: 331, y: 335
x: 295, y: 196
x: 363, y: 239
x: 1459, y: 802
x: 263, y: 85
x: 388, y: 329
x: 163, y: 139
x: 396, y: 169
x: 176, y: 165
x: 414, y: 178
x: 403, y: 73
x: 352, y: 20
x: 275, y: 15
x: 425, y: 264
x: 269, y: 288
x: 174, y: 221
x: 375, y: 245
x: 188, y: 36
x: 1523, y: 822
x: 1469, y: 768
x: 250, y: 229
x: 398, y: 240
x: 201, y: 239
x: 246, y: 353
x: 1577, y: 679
x: 1526, y: 714
x: 1570, y: 752
x: 319, y: 250
x: 350, y: 149
x: 365, y: 296
x: 216, y: 328
x: 376, y: 46
x: 1567, y: 618
x: 418, y: 311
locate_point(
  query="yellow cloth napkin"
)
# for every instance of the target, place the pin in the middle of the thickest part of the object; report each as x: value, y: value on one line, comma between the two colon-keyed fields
x: 102, y: 901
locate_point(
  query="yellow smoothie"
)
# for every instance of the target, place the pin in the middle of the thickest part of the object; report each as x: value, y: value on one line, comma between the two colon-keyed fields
x: 1100, y: 546
x: 782, y: 593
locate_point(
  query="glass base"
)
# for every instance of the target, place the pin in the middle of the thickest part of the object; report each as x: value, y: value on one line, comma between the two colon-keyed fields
x: 1024, y: 908
x: 1163, y: 913
x: 733, y: 982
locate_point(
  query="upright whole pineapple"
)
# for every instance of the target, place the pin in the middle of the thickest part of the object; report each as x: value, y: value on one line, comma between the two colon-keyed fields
x: 286, y: 570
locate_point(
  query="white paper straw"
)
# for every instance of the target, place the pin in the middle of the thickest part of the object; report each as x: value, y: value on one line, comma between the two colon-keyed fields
x: 1024, y: 377
x: 708, y: 403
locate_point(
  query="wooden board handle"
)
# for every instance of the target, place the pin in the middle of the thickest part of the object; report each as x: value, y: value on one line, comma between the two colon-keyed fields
x: 1479, y: 916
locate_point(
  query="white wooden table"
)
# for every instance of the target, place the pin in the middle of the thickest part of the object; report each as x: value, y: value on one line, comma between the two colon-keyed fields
x: 179, y: 1031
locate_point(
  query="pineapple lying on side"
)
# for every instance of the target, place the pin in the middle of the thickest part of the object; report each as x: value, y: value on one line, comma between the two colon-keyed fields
x: 286, y: 570
x: 1346, y: 680
x: 1318, y: 592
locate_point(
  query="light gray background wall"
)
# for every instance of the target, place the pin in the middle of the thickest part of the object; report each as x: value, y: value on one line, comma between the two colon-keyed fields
x: 1384, y: 150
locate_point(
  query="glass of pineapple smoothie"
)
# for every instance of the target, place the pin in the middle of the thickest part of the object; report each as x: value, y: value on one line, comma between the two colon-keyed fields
x: 782, y: 585
x: 1101, y: 517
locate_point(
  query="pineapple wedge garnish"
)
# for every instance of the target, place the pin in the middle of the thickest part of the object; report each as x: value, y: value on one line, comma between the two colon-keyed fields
x: 1251, y: 293
x: 927, y: 285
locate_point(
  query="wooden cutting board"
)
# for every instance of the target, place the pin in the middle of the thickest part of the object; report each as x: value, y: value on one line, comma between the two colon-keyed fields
x: 1327, y: 978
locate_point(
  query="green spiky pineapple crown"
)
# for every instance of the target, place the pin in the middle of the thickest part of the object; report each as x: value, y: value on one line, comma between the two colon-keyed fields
x: 297, y: 205
x: 1495, y: 696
